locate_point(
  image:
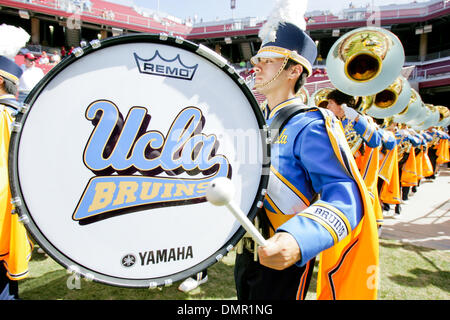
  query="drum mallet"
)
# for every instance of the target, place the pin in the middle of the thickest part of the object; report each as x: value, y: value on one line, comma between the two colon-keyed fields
x: 220, y: 192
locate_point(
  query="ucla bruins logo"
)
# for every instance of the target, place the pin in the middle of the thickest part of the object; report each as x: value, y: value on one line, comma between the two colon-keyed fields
x: 136, y: 169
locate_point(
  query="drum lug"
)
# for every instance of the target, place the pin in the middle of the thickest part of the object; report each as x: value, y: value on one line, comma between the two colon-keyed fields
x: 24, y: 108
x: 231, y: 70
x: 163, y: 36
x: 179, y: 40
x: 211, y: 55
x: 268, y: 132
x: 153, y: 285
x: 78, y: 52
x: 17, y: 202
x: 219, y: 257
x: 167, y: 282
x: 24, y: 219
x: 16, y: 126
x: 95, y: 44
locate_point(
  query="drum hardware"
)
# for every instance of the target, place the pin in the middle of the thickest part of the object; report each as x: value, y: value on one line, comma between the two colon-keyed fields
x: 211, y: 55
x: 16, y: 127
x: 95, y: 44
x: 179, y: 40
x: 23, y: 108
x: 78, y: 52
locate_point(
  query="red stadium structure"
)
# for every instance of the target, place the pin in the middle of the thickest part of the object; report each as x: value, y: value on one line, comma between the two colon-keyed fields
x: 420, y: 26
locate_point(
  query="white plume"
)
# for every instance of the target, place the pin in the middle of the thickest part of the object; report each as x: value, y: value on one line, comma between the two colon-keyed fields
x: 12, y: 39
x: 292, y: 11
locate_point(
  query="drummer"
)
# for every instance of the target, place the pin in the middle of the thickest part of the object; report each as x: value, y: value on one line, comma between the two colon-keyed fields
x: 304, y: 165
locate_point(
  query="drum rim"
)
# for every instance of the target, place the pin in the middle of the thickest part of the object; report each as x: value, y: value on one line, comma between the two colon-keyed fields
x: 59, y: 256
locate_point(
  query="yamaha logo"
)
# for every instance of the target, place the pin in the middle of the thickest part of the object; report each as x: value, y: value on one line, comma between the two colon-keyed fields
x: 128, y: 261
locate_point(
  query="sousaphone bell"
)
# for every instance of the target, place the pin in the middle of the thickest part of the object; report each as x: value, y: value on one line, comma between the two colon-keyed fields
x: 391, y: 100
x: 412, y: 111
x: 444, y: 116
x: 365, y: 61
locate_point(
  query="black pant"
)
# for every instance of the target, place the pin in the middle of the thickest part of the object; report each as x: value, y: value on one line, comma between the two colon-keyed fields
x: 9, y: 289
x: 433, y: 157
x: 257, y: 282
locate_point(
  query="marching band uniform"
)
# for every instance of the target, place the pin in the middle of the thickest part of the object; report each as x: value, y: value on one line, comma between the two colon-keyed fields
x: 311, y: 158
x: 15, y: 246
x: 442, y: 150
x: 365, y: 140
x: 427, y: 168
x: 389, y: 190
x: 408, y: 174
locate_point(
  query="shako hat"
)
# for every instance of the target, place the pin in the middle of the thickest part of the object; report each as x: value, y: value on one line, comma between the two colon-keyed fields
x: 283, y: 35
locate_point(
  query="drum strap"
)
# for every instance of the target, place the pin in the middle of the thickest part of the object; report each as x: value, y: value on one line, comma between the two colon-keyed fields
x: 280, y: 120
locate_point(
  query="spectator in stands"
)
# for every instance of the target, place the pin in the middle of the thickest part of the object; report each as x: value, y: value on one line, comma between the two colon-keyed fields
x: 87, y: 5
x: 111, y: 15
x: 30, y: 77
x: 55, y: 58
x: 44, y: 58
x: 63, y: 52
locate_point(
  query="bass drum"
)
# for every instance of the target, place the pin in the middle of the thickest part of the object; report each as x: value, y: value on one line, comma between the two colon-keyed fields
x: 111, y: 155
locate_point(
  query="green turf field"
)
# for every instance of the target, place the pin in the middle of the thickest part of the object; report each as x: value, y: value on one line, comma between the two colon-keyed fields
x: 406, y: 273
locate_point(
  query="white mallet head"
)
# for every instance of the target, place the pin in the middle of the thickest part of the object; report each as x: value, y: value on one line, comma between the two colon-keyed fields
x: 220, y: 191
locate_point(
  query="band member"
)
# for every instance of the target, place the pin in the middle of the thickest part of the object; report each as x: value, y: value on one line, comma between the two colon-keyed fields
x: 15, y: 247
x: 388, y: 178
x: 364, y: 140
x: 407, y: 163
x: 309, y: 157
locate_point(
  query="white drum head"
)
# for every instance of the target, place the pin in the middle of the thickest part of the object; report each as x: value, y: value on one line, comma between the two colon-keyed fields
x: 116, y: 150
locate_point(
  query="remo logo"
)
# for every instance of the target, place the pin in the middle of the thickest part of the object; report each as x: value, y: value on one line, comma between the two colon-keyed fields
x: 136, y: 168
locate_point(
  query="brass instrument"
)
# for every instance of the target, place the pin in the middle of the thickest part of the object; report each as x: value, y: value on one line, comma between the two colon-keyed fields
x: 403, y: 148
x: 405, y: 145
x: 354, y: 140
x: 431, y: 118
x: 319, y: 98
x: 412, y: 111
x: 365, y: 61
x: 304, y: 95
x: 391, y: 100
x: 444, y: 116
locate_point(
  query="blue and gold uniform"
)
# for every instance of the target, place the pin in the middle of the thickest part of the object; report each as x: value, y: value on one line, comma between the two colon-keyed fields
x: 315, y: 191
x: 304, y: 165
x: 311, y: 159
x: 366, y: 130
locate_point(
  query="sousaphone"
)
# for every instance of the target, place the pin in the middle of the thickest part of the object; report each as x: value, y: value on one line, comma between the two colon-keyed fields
x: 430, y: 120
x: 444, y: 116
x: 365, y: 61
x: 391, y: 100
